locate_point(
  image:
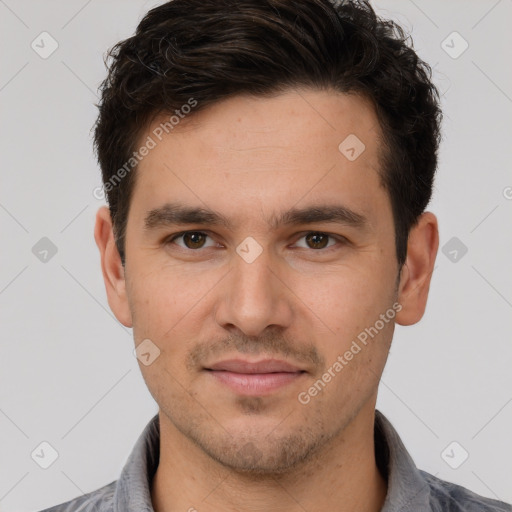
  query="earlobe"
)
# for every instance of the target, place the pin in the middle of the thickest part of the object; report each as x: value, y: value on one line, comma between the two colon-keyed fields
x: 417, y: 271
x: 111, y: 267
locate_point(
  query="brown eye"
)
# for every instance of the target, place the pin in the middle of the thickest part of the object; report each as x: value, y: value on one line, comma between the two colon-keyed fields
x: 317, y: 240
x: 191, y: 241
x: 194, y: 239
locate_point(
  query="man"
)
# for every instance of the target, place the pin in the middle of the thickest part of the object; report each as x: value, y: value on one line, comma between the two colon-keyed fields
x: 267, y: 166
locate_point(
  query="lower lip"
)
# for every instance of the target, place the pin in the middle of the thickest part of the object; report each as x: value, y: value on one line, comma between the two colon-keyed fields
x: 255, y: 384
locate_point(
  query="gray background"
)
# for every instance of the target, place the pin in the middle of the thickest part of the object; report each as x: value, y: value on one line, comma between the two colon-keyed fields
x: 67, y: 372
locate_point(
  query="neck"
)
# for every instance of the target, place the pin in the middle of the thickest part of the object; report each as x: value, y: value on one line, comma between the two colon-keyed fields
x: 343, y: 476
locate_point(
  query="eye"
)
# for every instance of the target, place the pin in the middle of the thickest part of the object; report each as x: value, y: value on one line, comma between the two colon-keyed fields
x: 317, y: 240
x: 191, y: 239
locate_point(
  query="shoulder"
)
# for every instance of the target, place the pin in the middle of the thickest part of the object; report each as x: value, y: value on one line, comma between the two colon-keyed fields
x: 448, y: 497
x: 99, y: 500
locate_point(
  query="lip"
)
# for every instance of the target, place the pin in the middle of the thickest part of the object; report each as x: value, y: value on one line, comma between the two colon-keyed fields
x: 248, y: 367
x: 257, y: 378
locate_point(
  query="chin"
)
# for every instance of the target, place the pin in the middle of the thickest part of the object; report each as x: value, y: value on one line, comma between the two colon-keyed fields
x: 264, y: 454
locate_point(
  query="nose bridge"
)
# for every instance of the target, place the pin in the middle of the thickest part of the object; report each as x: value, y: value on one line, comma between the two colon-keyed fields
x: 254, y: 297
x: 253, y: 275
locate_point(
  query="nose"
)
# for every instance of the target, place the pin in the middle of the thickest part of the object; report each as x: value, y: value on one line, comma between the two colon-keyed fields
x: 254, y: 296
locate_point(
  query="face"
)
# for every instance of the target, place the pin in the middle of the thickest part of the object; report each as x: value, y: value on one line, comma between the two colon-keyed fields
x: 259, y: 256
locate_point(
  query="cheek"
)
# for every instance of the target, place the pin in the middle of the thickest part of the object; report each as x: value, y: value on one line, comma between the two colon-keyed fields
x: 346, y: 305
x: 346, y: 299
x: 169, y: 303
x: 157, y: 302
x: 162, y: 304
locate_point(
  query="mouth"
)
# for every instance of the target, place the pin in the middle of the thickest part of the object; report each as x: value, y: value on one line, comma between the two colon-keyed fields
x: 258, y: 378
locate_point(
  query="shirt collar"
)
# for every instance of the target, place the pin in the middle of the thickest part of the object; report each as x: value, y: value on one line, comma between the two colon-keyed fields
x: 407, y: 489
x: 133, y: 489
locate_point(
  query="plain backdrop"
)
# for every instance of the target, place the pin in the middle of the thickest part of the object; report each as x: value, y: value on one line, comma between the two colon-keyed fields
x: 68, y: 376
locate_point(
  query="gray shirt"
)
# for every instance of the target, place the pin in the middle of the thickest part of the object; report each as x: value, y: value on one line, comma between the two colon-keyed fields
x: 409, y: 489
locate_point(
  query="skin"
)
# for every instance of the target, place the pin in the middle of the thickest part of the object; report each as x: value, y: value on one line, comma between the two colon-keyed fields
x: 250, y: 158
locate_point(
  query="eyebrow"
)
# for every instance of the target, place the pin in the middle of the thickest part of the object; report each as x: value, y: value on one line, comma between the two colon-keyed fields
x: 181, y: 214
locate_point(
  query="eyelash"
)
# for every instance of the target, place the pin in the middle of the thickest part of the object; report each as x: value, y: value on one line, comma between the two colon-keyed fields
x: 341, y: 240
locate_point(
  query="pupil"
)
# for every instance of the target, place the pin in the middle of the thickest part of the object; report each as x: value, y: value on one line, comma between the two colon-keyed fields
x: 314, y: 238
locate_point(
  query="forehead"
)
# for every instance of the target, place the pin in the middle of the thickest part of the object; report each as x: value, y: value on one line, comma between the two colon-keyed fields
x: 248, y: 153
x: 325, y: 118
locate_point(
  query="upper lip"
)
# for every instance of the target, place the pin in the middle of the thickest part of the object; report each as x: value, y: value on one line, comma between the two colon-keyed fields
x: 263, y: 366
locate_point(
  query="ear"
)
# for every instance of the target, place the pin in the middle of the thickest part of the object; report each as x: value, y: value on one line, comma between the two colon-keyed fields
x: 111, y: 267
x: 417, y: 270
